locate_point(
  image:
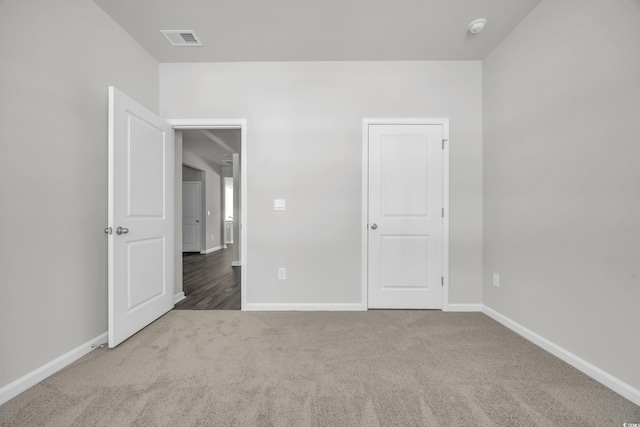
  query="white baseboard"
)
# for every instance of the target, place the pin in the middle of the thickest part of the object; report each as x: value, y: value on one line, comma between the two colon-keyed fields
x: 236, y: 263
x: 24, y: 383
x: 305, y: 307
x: 208, y: 251
x: 582, y: 365
x: 178, y: 297
x: 465, y: 308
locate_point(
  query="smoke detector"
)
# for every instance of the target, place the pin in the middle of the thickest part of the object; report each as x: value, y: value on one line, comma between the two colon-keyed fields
x: 477, y: 25
x: 181, y: 38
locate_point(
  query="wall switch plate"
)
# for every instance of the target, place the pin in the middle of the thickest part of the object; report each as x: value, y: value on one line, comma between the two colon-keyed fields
x: 496, y: 280
x: 282, y: 273
x: 279, y: 204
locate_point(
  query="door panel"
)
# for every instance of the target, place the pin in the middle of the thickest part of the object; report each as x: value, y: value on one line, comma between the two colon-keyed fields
x: 140, y: 272
x: 403, y: 161
x: 144, y: 282
x: 146, y: 146
x: 405, y: 204
x: 404, y: 266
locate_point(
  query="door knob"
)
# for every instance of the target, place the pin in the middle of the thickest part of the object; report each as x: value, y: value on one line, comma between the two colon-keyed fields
x: 121, y: 230
x: 197, y: 220
x: 374, y: 226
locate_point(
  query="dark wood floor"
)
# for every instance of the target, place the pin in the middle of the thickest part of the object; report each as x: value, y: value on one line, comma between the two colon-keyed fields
x: 209, y: 281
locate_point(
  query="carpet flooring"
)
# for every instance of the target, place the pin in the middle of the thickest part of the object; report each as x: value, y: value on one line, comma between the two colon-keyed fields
x: 375, y: 368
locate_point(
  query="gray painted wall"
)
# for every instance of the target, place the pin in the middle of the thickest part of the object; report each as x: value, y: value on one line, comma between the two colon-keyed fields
x: 191, y: 174
x: 53, y: 120
x: 305, y: 145
x: 562, y: 179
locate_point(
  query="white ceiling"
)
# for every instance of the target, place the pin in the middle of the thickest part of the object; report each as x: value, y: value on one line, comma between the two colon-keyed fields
x: 320, y: 30
x: 212, y: 152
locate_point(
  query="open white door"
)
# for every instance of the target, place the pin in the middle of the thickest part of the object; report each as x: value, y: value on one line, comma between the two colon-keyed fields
x: 141, y: 150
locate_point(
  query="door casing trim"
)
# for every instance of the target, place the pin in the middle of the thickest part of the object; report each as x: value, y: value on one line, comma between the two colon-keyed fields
x: 186, y: 124
x: 366, y: 122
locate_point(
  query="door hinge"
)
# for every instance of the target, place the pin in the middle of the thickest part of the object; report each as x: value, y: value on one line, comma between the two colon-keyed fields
x: 442, y: 281
x: 443, y: 141
x: 442, y: 212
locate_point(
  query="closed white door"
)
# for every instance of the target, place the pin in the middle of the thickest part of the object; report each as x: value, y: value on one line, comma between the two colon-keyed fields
x: 405, y: 216
x: 191, y: 216
x: 140, y: 215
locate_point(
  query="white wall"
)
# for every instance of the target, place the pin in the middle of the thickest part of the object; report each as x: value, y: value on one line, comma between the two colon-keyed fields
x: 305, y: 145
x: 58, y: 58
x: 562, y: 179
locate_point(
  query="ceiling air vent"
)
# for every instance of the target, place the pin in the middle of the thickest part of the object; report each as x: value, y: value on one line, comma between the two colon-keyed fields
x: 181, y: 37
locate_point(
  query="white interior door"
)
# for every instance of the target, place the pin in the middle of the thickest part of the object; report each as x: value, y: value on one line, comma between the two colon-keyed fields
x: 405, y: 216
x: 141, y: 150
x: 191, y: 216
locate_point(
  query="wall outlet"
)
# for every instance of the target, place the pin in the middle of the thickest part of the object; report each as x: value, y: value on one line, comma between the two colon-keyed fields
x: 282, y: 273
x: 496, y: 280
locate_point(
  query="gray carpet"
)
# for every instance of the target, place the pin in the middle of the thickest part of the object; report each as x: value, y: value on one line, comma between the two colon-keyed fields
x: 376, y: 368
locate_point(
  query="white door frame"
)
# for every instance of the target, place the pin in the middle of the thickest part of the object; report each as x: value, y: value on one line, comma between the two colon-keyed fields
x: 186, y: 124
x: 366, y: 122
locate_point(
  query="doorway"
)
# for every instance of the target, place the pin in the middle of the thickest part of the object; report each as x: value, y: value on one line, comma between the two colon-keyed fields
x: 218, y: 149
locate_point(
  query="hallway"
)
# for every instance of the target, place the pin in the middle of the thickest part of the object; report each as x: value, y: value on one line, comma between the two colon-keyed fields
x: 210, y: 282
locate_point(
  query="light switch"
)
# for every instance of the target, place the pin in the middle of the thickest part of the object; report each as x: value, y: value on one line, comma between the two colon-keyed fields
x: 279, y: 204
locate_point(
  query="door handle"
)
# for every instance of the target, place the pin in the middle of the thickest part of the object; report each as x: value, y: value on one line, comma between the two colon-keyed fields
x: 121, y: 230
x: 374, y: 226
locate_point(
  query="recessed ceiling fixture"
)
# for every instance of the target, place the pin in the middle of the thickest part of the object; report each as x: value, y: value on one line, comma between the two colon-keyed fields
x: 182, y: 38
x: 477, y: 25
